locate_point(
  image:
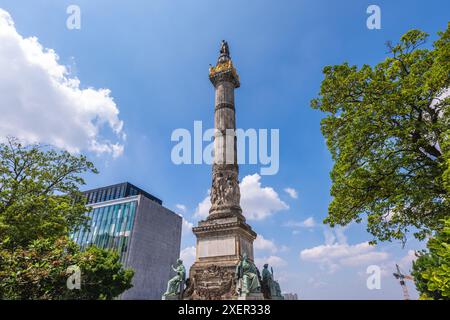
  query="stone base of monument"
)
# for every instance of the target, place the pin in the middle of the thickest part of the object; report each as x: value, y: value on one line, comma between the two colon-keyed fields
x: 221, y: 242
x: 252, y: 296
x: 211, y: 282
x: 277, y: 298
x: 177, y: 297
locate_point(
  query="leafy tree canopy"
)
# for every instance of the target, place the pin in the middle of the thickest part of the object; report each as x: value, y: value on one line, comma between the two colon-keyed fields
x: 39, y: 192
x: 388, y: 130
x: 40, y: 204
x: 40, y: 271
x: 431, y: 270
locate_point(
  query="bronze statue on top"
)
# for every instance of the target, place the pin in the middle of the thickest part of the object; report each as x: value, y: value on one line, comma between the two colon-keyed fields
x: 224, y: 50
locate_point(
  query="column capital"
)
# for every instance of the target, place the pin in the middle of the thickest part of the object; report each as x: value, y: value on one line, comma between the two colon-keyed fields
x: 224, y: 72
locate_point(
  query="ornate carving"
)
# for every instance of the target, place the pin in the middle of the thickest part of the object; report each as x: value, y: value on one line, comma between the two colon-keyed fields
x: 212, y: 283
x: 225, y: 189
x: 223, y: 67
x: 224, y: 70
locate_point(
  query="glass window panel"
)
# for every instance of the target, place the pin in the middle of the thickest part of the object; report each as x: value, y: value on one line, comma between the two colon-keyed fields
x: 108, y: 194
x: 109, y: 226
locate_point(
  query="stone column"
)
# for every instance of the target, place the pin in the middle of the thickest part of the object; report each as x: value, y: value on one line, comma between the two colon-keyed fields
x: 224, y: 236
x: 225, y: 194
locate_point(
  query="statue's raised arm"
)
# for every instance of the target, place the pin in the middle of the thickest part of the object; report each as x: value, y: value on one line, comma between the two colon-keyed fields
x: 174, y: 285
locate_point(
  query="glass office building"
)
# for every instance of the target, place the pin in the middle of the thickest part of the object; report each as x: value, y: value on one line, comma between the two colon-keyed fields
x: 117, y: 191
x: 110, y: 227
x: 111, y: 222
x: 134, y: 223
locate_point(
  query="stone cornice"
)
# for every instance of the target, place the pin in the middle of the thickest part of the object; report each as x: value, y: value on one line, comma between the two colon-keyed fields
x: 227, y: 75
x: 231, y: 227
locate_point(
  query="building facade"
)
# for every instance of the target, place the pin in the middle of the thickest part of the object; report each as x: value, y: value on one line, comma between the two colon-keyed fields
x: 133, y: 222
x: 290, y: 296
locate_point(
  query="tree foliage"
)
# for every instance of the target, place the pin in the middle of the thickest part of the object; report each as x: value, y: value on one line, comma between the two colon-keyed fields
x: 431, y: 270
x: 40, y: 271
x: 40, y: 204
x: 39, y: 192
x: 388, y: 130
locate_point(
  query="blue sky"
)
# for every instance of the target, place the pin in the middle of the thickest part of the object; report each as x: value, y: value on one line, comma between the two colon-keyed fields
x: 153, y: 56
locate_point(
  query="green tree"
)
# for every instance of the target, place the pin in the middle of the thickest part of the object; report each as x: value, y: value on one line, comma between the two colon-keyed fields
x: 40, y: 271
x: 40, y: 204
x: 388, y: 130
x: 431, y: 270
x: 39, y: 192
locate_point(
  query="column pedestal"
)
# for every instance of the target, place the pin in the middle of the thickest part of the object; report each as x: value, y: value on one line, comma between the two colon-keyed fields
x: 220, y: 245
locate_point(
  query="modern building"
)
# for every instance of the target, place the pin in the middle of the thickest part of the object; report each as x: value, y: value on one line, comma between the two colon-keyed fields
x: 135, y: 224
x: 290, y: 296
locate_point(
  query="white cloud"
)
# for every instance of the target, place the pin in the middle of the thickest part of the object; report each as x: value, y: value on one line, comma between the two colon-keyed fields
x: 203, y: 207
x: 445, y: 94
x: 188, y: 256
x: 406, y: 262
x: 263, y: 244
x: 181, y: 207
x: 333, y: 251
x: 257, y: 202
x: 337, y: 233
x: 341, y: 237
x: 330, y: 238
x: 365, y: 259
x: 41, y: 102
x: 291, y: 192
x: 186, y: 227
x: 334, y: 254
x: 273, y: 261
x: 307, y: 223
x: 391, y: 214
x: 317, y: 283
